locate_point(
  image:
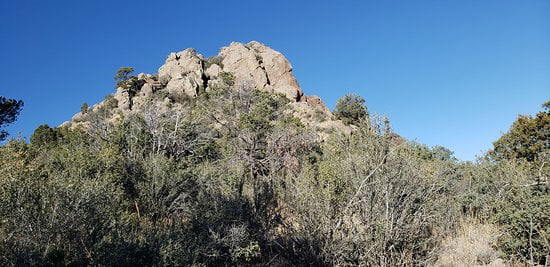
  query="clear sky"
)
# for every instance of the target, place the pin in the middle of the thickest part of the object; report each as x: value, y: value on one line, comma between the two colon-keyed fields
x: 446, y: 72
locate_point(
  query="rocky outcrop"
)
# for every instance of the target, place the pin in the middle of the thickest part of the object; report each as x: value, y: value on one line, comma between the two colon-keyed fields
x: 186, y: 74
x: 316, y: 116
x: 278, y: 71
x: 268, y: 69
x: 317, y: 103
x: 183, y: 72
x: 213, y: 71
x: 123, y: 98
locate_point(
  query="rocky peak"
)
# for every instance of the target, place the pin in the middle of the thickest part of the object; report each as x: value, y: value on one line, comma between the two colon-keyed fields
x: 187, y: 73
x: 265, y: 68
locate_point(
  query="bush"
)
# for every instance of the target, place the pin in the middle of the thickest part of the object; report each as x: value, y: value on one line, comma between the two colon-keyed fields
x: 213, y: 60
x: 351, y: 109
x: 84, y: 108
x: 369, y: 203
x: 44, y: 135
x: 228, y: 78
x: 110, y: 102
x: 526, y: 222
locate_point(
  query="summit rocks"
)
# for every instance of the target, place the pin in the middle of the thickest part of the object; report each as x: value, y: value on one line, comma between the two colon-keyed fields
x: 186, y: 74
x: 267, y: 69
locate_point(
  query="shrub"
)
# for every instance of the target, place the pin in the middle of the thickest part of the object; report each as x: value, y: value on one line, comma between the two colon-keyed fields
x: 228, y: 78
x: 351, y: 109
x: 213, y: 60
x: 110, y: 102
x: 44, y: 135
x: 369, y: 203
x: 84, y: 108
x: 526, y: 223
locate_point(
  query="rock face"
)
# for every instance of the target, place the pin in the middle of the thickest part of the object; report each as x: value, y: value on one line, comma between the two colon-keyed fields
x: 183, y: 72
x: 187, y: 73
x: 268, y: 69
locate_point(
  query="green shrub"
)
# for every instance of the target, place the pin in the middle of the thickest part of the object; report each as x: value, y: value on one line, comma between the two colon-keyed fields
x: 228, y: 78
x: 44, y: 135
x: 526, y: 223
x: 110, y: 102
x: 84, y: 108
x: 369, y: 202
x: 351, y: 109
x: 213, y: 60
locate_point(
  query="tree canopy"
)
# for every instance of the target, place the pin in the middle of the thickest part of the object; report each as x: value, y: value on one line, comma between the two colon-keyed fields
x: 122, y: 75
x: 527, y: 139
x: 9, y: 110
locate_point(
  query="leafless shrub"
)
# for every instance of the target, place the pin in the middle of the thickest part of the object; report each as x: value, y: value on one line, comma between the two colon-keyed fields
x: 473, y: 245
x: 370, y: 205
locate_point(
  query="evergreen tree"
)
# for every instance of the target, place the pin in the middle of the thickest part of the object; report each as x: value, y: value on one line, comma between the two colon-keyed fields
x: 9, y: 110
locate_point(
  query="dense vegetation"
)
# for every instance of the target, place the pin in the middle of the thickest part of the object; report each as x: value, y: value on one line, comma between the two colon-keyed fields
x: 232, y: 179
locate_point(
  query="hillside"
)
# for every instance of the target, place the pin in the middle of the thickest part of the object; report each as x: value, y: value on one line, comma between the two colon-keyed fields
x: 225, y: 161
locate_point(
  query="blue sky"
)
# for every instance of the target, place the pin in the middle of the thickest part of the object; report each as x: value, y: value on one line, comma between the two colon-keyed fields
x: 451, y: 73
